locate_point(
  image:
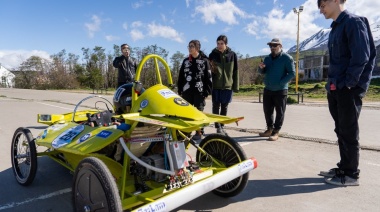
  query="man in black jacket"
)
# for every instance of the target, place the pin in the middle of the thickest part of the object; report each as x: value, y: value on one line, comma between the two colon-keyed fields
x: 126, y: 66
x: 352, y: 56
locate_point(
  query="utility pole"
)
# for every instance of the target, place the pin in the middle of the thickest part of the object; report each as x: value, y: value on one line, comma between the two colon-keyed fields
x: 298, y: 40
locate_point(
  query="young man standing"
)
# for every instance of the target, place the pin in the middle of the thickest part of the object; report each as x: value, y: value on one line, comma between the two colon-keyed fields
x: 225, y: 78
x: 125, y: 65
x: 352, y: 58
x: 278, y: 70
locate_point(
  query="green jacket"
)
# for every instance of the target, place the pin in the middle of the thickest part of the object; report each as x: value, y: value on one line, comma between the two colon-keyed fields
x: 278, y: 71
x: 225, y: 74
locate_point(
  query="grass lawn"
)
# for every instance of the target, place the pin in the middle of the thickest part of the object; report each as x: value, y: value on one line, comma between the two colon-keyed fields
x: 313, y: 91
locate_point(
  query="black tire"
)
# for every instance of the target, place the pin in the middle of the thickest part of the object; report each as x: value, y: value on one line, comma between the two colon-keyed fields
x: 24, y: 156
x: 229, y: 152
x: 94, y: 188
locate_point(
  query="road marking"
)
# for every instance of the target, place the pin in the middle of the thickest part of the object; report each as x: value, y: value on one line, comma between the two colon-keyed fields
x: 55, y: 106
x: 42, y: 197
x: 373, y: 164
x: 245, y: 144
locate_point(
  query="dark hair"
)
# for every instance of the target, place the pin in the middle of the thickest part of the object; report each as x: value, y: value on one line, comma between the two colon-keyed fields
x: 124, y: 44
x: 197, y: 45
x: 320, y: 1
x: 222, y: 38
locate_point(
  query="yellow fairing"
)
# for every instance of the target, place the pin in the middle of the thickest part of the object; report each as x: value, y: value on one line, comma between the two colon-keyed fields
x: 160, y: 100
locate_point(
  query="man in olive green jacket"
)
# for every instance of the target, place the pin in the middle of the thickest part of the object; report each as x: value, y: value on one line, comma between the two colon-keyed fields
x: 225, y: 78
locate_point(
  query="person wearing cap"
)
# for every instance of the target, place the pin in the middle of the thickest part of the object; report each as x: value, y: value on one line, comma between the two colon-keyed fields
x: 125, y: 65
x: 352, y: 56
x: 278, y: 69
x: 225, y: 78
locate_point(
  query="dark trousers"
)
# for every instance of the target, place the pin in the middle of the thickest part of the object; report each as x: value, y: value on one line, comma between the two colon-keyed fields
x: 220, y: 101
x: 345, y: 106
x: 197, y: 100
x: 274, y: 100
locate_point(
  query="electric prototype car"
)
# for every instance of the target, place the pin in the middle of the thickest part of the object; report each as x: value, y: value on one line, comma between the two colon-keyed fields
x: 131, y: 154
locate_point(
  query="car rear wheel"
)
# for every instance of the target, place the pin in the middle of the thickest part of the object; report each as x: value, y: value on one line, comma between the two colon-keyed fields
x: 229, y: 152
x: 94, y: 188
x: 24, y: 156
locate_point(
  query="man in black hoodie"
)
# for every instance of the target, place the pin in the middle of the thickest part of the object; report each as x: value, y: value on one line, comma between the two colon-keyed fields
x: 126, y: 66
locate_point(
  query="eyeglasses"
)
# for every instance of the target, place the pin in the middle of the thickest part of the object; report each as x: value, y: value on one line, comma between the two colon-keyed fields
x: 273, y: 45
x: 190, y: 46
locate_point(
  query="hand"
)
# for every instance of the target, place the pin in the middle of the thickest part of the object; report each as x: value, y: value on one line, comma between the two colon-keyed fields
x: 262, y: 65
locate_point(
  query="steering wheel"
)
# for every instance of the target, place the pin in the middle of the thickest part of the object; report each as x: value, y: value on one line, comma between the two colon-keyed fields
x: 103, y: 118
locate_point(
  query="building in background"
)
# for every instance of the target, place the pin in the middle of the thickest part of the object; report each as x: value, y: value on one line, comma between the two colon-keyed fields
x: 6, y: 78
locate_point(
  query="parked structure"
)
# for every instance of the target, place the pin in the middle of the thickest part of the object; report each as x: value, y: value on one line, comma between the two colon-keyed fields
x: 6, y: 78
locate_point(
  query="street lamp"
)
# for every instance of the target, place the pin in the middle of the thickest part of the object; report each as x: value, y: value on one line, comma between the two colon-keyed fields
x: 300, y: 9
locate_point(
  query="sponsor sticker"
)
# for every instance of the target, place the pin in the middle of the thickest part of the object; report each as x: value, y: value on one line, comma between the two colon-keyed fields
x: 144, y: 103
x: 44, y: 134
x: 180, y: 101
x: 84, y: 138
x: 104, y: 134
x: 246, y: 166
x: 167, y: 93
x: 154, y: 207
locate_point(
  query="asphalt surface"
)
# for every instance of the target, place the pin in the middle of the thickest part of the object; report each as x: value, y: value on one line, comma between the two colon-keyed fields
x: 286, y: 179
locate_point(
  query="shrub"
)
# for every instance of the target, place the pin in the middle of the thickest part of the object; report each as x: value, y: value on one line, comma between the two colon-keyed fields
x: 291, y: 100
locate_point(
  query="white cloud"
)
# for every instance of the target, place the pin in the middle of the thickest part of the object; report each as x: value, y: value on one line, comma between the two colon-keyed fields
x: 136, y: 35
x: 94, y: 26
x: 165, y: 32
x: 136, y: 24
x: 13, y: 58
x: 111, y: 38
x: 283, y: 24
x: 140, y: 3
x: 225, y: 12
x: 188, y: 3
x: 364, y: 8
x: 125, y: 26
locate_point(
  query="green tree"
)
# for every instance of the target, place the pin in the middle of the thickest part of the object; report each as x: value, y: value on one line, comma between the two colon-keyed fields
x: 176, y: 60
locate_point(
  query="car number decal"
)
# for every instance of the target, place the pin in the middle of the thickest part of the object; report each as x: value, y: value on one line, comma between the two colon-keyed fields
x: 67, y: 136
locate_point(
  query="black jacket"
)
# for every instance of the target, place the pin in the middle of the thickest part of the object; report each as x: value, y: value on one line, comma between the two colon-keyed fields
x: 352, y: 52
x: 126, y: 68
x: 195, y: 76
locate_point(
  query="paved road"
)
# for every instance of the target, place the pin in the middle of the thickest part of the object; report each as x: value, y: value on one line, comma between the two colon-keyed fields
x: 286, y: 179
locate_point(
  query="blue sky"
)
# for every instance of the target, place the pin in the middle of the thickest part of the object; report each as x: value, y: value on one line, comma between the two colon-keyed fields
x: 45, y: 27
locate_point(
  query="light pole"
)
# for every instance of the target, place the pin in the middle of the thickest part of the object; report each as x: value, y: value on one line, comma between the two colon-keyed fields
x: 300, y: 9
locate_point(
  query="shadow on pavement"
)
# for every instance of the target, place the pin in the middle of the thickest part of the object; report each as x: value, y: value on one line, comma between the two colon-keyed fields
x: 258, y: 189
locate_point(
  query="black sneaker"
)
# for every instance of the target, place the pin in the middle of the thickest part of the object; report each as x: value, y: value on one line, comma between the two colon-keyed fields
x: 330, y: 173
x: 342, y: 180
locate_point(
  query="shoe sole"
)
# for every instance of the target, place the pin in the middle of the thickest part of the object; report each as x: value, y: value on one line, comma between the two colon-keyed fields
x: 328, y: 181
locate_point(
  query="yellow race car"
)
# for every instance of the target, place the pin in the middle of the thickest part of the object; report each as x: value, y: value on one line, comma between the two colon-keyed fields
x: 132, y: 154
